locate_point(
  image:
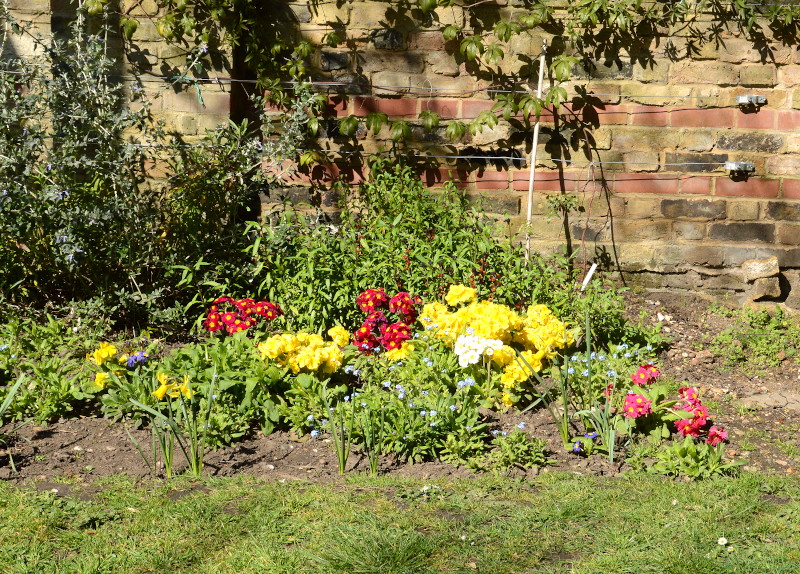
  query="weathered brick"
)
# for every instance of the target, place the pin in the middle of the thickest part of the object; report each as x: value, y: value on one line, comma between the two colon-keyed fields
x: 333, y: 13
x: 696, y: 139
x: 491, y: 179
x: 502, y: 203
x: 641, y: 161
x: 604, y: 69
x: 333, y: 60
x: 653, y: 71
x: 691, y: 230
x: 693, y: 208
x: 768, y: 143
x: 751, y: 187
x: 442, y: 63
x: 592, y: 233
x: 736, y: 51
x: 742, y: 231
x: 379, y: 60
x: 546, y: 180
x: 789, y: 233
x: 642, y: 230
x: 649, y: 116
x: 604, y: 91
x: 392, y: 107
x: 695, y: 162
x: 446, y: 108
x: 789, y: 76
x: 693, y: 184
x: 389, y: 39
x: 390, y: 83
x: 784, y: 165
x: 646, y: 138
x: 428, y: 41
x: 783, y: 210
x: 719, y: 118
x: 761, y: 119
x: 743, y: 210
x: 655, y: 94
x: 790, y: 189
x: 757, y: 75
x: 717, y: 73
x: 788, y: 120
x: 645, y: 183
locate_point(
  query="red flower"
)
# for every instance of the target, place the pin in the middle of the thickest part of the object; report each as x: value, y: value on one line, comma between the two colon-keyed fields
x: 212, y: 322
x: 372, y: 299
x: 645, y: 375
x: 690, y: 427
x: 636, y: 406
x: 690, y: 395
x: 404, y: 305
x: 716, y: 435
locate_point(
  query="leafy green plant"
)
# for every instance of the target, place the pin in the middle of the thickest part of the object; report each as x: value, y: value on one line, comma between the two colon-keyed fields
x: 387, y: 550
x: 341, y: 426
x: 180, y: 416
x: 7, y: 435
x: 758, y: 339
x: 65, y: 168
x: 512, y: 450
x: 693, y: 460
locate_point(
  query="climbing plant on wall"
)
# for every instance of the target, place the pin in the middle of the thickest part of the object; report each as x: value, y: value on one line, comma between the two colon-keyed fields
x: 581, y: 31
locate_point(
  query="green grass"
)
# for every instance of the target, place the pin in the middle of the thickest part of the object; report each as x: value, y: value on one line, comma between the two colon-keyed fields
x: 556, y: 523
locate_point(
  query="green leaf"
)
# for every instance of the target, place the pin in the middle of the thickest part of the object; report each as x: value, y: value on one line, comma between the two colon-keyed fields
x: 450, y: 32
x: 375, y: 121
x: 430, y: 120
x: 129, y: 26
x: 455, y: 130
x: 348, y: 126
x: 427, y: 5
x: 400, y: 131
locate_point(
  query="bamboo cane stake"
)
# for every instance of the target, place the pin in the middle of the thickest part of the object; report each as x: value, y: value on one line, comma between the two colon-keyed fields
x: 532, y: 162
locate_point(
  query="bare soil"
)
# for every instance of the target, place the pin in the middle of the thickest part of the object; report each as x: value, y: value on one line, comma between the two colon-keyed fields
x: 761, y: 413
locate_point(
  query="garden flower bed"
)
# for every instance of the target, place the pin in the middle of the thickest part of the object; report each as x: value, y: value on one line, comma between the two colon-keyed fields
x: 390, y: 390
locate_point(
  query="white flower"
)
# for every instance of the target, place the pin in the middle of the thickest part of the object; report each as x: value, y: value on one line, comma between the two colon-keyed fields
x: 722, y: 541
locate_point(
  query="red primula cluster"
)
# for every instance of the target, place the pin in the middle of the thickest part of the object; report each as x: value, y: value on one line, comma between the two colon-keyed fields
x: 637, y: 406
x: 645, y: 375
x: 404, y: 305
x: 372, y: 299
x: 244, y: 314
x: 696, y: 425
x: 377, y: 332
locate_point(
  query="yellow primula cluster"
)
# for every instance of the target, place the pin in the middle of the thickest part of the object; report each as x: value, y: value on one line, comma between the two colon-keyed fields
x: 172, y: 387
x: 306, y: 352
x: 539, y: 333
x: 105, y: 352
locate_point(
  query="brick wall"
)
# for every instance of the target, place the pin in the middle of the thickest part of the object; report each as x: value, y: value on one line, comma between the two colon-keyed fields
x: 658, y: 206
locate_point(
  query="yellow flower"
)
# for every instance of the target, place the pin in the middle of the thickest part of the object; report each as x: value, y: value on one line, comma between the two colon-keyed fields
x: 100, y: 381
x: 340, y: 335
x: 460, y: 294
x: 507, y: 400
x: 162, y: 390
x: 104, y: 353
x: 395, y: 355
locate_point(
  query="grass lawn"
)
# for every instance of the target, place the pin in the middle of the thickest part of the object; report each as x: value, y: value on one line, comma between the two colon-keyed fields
x: 557, y: 523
